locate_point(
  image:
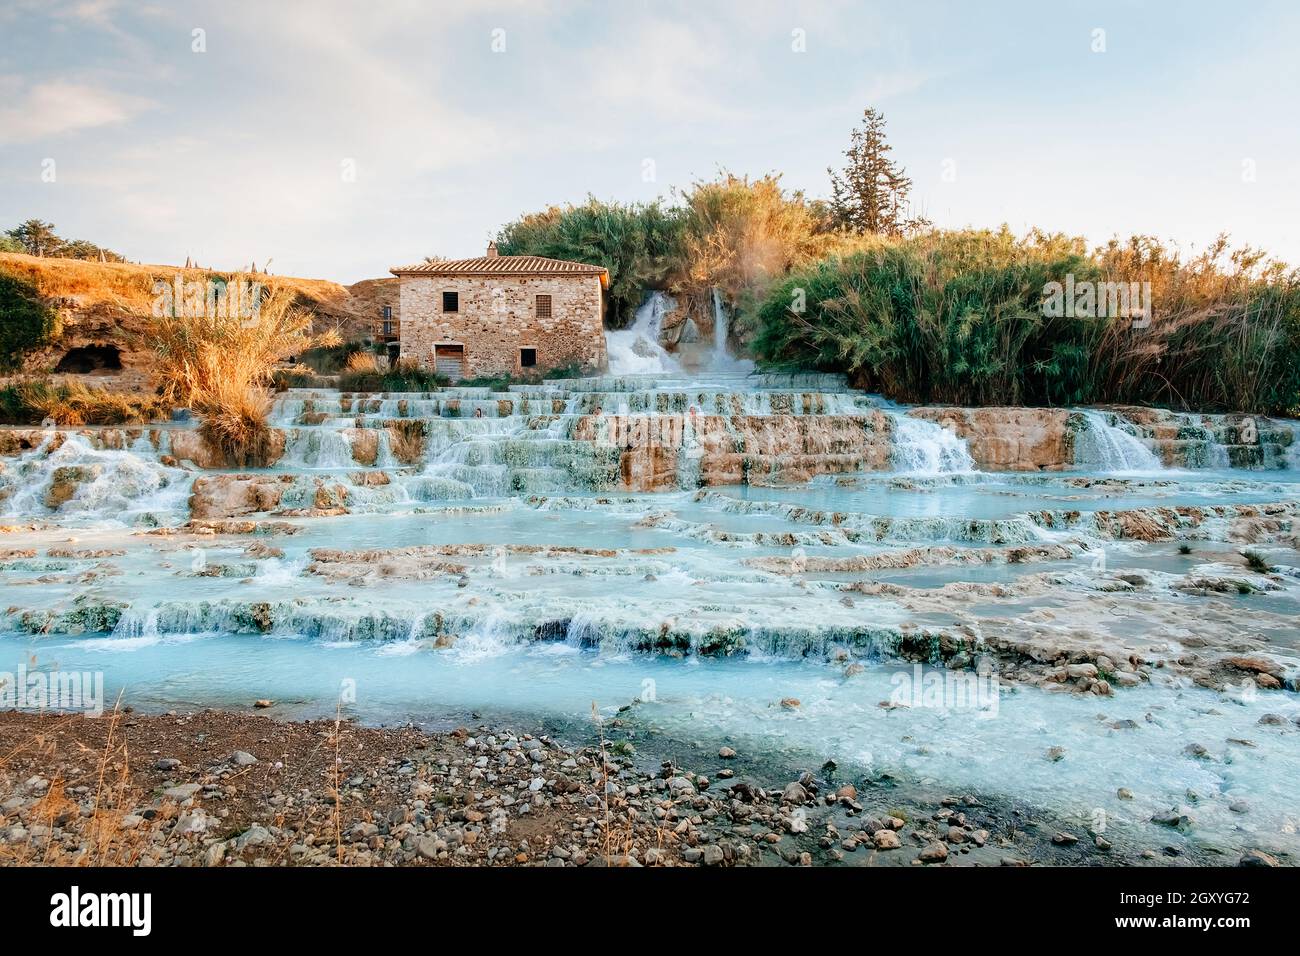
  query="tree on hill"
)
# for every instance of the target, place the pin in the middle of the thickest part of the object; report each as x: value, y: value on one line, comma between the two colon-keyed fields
x: 870, y: 195
x: 36, y: 237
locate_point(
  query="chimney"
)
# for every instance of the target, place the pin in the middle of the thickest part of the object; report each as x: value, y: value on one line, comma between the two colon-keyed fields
x: 492, y: 250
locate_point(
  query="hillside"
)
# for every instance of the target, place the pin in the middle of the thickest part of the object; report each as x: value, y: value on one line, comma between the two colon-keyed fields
x: 102, y: 312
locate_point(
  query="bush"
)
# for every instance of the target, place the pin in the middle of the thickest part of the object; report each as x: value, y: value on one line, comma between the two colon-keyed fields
x: 957, y: 317
x: 328, y: 360
x: 367, y: 376
x: 740, y: 236
x: 293, y: 377
x: 638, y: 244
x: 26, y: 323
x: 732, y: 233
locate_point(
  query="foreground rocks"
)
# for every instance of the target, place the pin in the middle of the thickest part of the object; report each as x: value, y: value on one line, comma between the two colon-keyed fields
x: 220, y: 788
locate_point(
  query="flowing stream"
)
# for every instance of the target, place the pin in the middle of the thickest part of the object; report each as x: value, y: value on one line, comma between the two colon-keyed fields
x: 730, y: 539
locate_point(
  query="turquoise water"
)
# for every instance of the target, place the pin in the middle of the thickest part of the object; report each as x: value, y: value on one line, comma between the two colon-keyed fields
x: 491, y: 577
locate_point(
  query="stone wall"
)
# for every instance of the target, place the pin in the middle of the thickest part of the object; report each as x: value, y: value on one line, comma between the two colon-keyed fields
x: 498, y: 316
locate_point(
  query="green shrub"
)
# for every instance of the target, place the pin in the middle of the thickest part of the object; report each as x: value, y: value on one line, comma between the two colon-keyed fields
x: 957, y: 317
x: 26, y: 323
x: 1257, y: 562
x: 638, y: 244
x: 404, y: 378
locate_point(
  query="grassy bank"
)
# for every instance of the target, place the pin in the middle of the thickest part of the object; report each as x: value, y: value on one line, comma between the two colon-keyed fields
x: 959, y: 318
x: 72, y: 404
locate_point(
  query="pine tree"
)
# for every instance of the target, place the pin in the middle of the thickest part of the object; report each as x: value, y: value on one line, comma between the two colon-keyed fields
x: 870, y: 195
x: 36, y: 237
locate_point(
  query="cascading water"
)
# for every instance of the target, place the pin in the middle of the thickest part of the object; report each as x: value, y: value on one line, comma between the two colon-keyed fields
x: 1106, y: 447
x: 636, y: 349
x: 722, y: 357
x: 924, y: 447
x: 318, y: 448
x: 94, y: 484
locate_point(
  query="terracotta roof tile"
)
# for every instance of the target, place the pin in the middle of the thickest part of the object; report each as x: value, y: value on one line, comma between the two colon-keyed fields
x: 499, y: 266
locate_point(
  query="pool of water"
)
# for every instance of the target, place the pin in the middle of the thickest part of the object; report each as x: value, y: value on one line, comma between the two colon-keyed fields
x: 493, y: 577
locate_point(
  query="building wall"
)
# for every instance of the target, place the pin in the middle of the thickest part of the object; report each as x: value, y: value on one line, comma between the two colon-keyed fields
x: 498, y: 317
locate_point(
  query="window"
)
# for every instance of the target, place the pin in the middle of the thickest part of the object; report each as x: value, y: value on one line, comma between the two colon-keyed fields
x: 543, y: 306
x: 451, y: 302
x: 528, y: 357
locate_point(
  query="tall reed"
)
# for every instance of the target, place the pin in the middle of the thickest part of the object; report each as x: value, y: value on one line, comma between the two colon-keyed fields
x: 958, y: 317
x: 221, y: 366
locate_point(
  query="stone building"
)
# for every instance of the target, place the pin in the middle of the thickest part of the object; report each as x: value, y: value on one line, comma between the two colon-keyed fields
x: 502, y: 315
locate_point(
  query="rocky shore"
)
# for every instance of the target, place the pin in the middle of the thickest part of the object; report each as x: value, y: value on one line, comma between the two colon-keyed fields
x: 227, y: 788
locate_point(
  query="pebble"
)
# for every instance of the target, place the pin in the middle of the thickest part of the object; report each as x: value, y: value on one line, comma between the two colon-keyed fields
x: 885, y: 840
x: 794, y: 793
x: 254, y: 836
x: 1257, y: 858
x: 933, y: 853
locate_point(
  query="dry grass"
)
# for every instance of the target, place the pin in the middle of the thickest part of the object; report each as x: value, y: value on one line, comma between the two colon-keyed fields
x: 406, y: 440
x: 222, y: 367
x: 364, y: 362
x: 130, y: 286
x: 106, y: 840
x: 72, y: 403
x: 740, y: 236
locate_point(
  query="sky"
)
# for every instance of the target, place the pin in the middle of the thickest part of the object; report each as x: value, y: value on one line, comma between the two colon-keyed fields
x: 338, y: 139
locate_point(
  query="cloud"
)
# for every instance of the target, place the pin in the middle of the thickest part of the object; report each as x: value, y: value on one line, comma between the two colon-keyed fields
x: 43, y: 110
